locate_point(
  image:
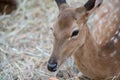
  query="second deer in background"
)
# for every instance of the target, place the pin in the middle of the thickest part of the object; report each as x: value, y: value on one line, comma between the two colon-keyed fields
x: 7, y: 6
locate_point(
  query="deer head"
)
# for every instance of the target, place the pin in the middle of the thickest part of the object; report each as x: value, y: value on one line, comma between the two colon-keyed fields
x: 7, y: 6
x: 69, y: 31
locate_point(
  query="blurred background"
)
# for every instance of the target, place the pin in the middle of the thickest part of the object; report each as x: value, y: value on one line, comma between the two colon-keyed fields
x: 26, y: 42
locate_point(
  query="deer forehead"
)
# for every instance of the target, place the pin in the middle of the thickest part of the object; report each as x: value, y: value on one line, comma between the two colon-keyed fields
x: 66, y: 25
x: 63, y: 27
x: 65, y: 20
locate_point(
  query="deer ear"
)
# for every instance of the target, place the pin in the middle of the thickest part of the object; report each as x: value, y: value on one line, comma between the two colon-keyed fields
x: 98, y: 3
x: 62, y: 4
x: 88, y: 8
x: 90, y: 4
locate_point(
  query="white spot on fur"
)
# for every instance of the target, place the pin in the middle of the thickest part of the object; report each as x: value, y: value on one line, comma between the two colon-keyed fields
x: 113, y: 53
x: 69, y: 39
x: 97, y: 17
x: 105, y: 10
x: 111, y: 5
x: 99, y: 42
x: 100, y: 23
x: 115, y: 40
x: 119, y: 34
x: 116, y: 18
x: 116, y: 37
x: 112, y: 39
x: 103, y: 55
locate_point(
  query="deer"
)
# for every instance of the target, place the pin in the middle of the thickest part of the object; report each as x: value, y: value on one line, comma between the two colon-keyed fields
x: 8, y: 6
x: 97, y: 51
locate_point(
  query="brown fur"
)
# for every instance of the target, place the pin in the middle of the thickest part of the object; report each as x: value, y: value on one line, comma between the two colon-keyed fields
x: 96, y: 54
x: 7, y: 6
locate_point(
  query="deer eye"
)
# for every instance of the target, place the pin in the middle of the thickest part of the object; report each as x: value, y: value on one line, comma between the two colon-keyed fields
x: 75, y: 33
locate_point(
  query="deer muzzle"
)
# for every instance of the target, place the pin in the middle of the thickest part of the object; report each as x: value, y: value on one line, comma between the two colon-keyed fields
x: 52, y: 65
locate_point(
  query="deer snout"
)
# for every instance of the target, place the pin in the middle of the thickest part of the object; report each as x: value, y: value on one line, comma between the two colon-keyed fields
x: 52, y: 65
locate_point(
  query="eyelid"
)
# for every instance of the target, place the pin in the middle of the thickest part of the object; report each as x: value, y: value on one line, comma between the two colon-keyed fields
x: 76, y: 28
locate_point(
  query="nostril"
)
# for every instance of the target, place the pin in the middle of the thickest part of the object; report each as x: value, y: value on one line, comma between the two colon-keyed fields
x: 52, y: 66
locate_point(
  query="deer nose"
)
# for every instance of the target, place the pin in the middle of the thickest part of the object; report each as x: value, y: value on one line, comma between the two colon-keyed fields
x: 52, y: 65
